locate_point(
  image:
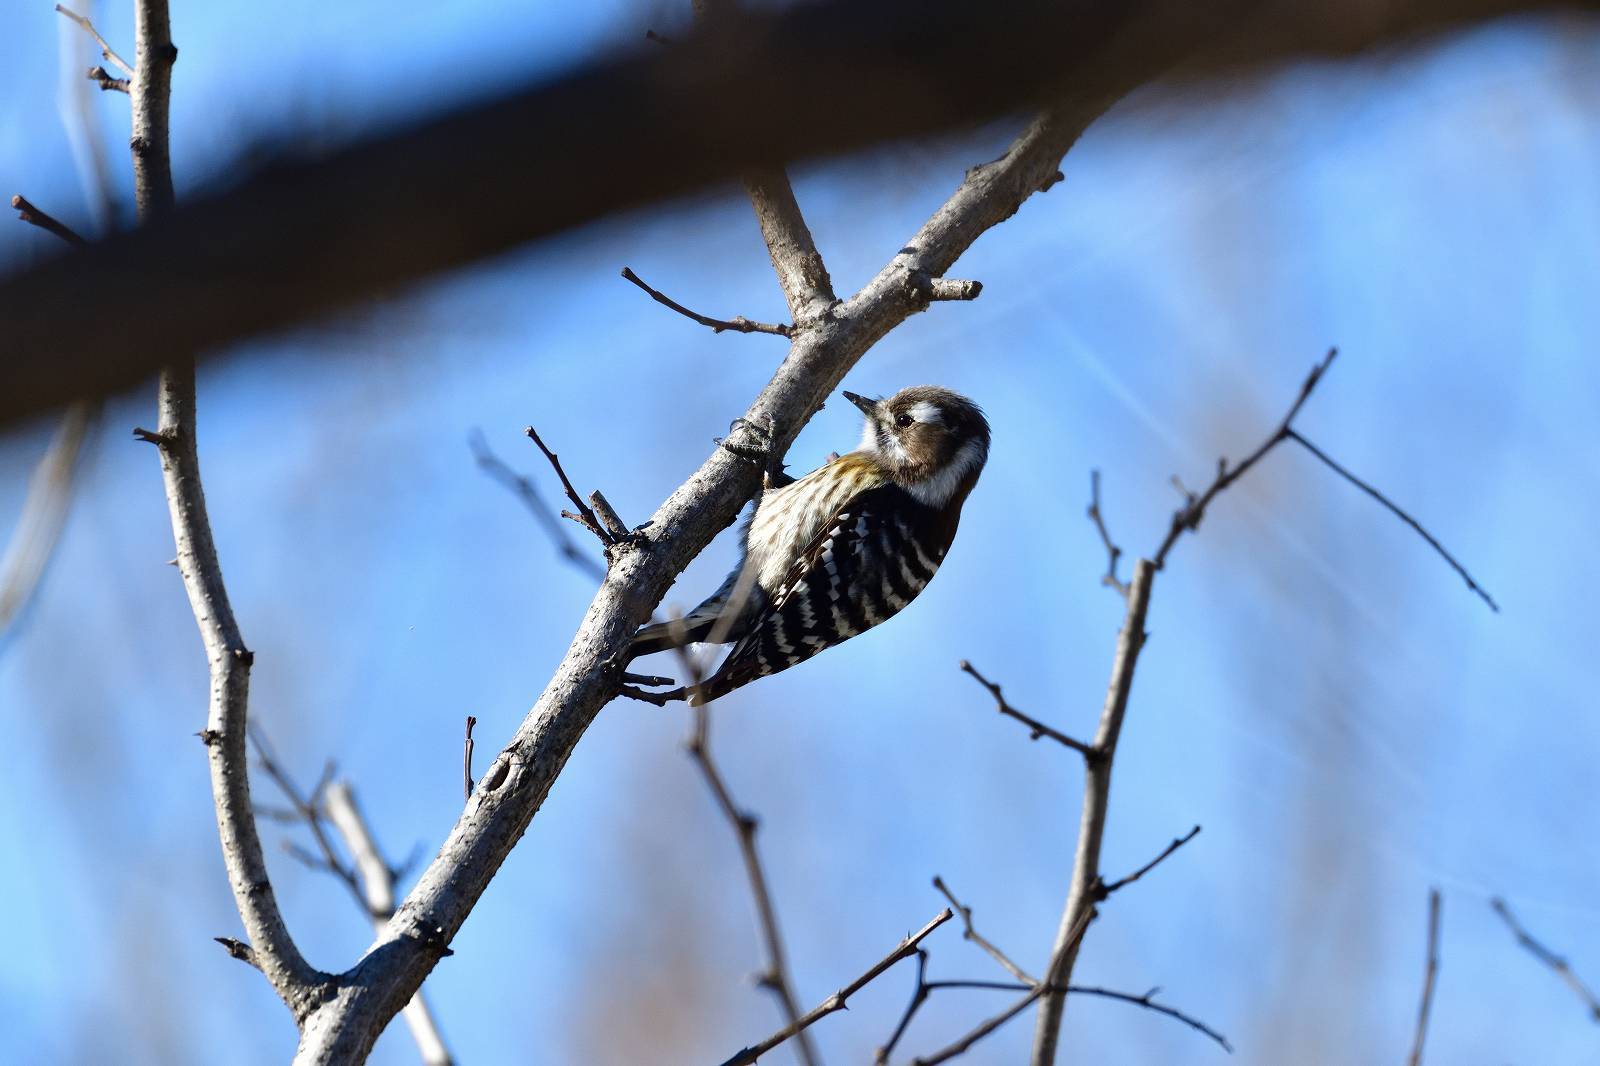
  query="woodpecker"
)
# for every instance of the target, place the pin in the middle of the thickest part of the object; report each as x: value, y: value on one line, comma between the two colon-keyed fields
x: 836, y: 552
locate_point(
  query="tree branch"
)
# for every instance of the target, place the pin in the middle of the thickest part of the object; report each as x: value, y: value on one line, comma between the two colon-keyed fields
x: 525, y: 490
x: 969, y: 933
x: 1556, y: 963
x: 739, y: 324
x: 1036, y: 728
x: 790, y: 82
x: 106, y: 51
x: 585, y: 516
x: 273, y: 949
x: 1430, y: 974
x: 466, y: 758
x: 836, y: 1002
x: 30, y: 214
x: 1113, y: 553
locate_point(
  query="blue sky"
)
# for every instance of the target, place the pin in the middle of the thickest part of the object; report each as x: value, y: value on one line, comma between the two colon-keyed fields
x: 1346, y: 721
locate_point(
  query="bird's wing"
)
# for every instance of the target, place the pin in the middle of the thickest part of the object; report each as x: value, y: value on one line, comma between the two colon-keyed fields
x: 874, y: 555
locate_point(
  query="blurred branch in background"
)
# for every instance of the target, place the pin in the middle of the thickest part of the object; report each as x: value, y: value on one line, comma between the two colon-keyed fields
x: 1556, y: 962
x: 1430, y: 974
x: 368, y: 876
x: 523, y: 488
x: 740, y: 95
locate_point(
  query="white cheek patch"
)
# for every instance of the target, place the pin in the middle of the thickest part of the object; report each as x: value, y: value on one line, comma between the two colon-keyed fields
x: 869, y: 438
x: 937, y: 490
x: 923, y: 411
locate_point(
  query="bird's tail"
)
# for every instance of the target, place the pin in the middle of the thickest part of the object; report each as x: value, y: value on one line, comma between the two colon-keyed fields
x: 700, y: 624
x: 660, y: 636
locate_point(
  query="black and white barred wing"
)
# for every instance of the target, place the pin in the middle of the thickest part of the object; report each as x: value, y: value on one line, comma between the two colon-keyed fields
x: 877, y: 553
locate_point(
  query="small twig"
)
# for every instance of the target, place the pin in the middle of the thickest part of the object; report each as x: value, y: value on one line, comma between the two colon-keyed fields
x: 1177, y: 843
x: 30, y: 214
x: 928, y: 289
x: 972, y: 934
x: 837, y: 1002
x: 105, y: 49
x: 739, y: 324
x: 584, y: 517
x: 1548, y: 957
x: 238, y: 949
x: 1428, y: 977
x: 102, y: 77
x: 466, y: 757
x: 608, y: 517
x: 1036, y: 728
x: 309, y: 807
x: 1187, y: 518
x: 525, y: 491
x: 1113, y: 552
x: 1398, y: 513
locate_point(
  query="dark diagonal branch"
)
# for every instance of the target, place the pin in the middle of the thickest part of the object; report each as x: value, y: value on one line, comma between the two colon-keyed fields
x: 1036, y: 728
x: 525, y: 490
x: 1177, y: 842
x: 1187, y: 518
x: 739, y: 324
x: 1429, y: 975
x: 30, y: 214
x: 1113, y: 553
x: 585, y: 516
x: 837, y: 1002
x: 1395, y: 510
x: 1557, y: 963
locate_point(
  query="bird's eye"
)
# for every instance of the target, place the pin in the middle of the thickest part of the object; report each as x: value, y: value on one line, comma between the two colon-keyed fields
x: 903, y: 420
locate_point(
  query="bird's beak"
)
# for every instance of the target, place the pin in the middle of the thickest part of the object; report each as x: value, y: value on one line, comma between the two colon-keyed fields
x: 868, y: 407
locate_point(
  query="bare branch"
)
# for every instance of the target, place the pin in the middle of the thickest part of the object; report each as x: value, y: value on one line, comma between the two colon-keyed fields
x: 964, y: 1044
x: 103, y: 78
x: 525, y: 491
x: 836, y: 1002
x: 1177, y: 843
x: 1428, y: 977
x: 466, y: 758
x: 77, y: 329
x: 919, y: 996
x: 738, y: 324
x: 1394, y: 509
x: 1036, y: 728
x: 972, y: 934
x: 1086, y: 883
x: 275, y: 953
x: 1557, y: 963
x: 1147, y: 1002
x: 238, y: 949
x: 44, y: 512
x: 105, y: 49
x: 377, y: 881
x: 584, y: 516
x: 1113, y: 553
x: 776, y: 977
x: 30, y: 214
x: 308, y: 806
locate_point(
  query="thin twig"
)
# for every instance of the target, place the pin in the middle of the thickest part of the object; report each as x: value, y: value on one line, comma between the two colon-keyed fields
x: 737, y: 324
x: 105, y: 49
x: 1036, y: 728
x: 1187, y: 518
x: 972, y: 934
x: 103, y: 78
x: 584, y: 516
x: 525, y: 490
x: 1177, y: 843
x: 30, y: 214
x: 837, y: 1002
x: 1548, y: 957
x: 776, y: 977
x: 1113, y: 553
x: 466, y: 758
x: 1429, y: 976
x: 1398, y: 513
x: 309, y: 806
x: 919, y: 996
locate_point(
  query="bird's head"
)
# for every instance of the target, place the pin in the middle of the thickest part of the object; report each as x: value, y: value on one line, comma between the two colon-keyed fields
x: 932, y: 442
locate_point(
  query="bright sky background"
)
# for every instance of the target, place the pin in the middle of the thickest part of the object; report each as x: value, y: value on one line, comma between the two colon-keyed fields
x: 1322, y: 694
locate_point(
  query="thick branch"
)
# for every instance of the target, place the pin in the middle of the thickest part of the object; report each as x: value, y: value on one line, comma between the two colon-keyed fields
x: 273, y: 949
x: 791, y: 82
x: 837, y: 1002
x: 516, y: 783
